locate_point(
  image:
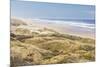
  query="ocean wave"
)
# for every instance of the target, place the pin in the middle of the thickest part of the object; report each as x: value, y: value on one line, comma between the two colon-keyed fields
x: 72, y: 23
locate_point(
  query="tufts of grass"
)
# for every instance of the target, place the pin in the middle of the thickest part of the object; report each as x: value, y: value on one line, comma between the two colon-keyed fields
x: 87, y: 47
x: 34, y: 48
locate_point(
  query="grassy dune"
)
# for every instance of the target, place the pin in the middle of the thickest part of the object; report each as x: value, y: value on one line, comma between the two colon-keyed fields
x: 46, y: 46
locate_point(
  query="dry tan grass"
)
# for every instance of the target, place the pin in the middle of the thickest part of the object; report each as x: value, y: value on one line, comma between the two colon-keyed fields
x: 32, y: 48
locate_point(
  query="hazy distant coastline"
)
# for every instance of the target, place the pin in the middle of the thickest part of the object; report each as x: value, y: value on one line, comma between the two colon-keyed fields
x: 82, y: 29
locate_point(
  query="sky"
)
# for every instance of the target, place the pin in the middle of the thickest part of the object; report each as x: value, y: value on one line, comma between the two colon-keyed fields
x: 43, y: 10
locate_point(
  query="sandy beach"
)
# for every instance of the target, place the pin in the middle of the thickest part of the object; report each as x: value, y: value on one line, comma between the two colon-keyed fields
x: 67, y: 29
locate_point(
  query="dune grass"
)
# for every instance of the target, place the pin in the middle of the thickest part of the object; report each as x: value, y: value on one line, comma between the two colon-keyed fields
x: 32, y: 48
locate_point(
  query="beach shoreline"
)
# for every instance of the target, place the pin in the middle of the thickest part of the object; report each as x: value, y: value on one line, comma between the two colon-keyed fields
x: 68, y: 29
x: 63, y: 28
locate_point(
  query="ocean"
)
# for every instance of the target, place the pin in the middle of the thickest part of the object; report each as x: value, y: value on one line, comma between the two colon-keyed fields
x: 78, y: 23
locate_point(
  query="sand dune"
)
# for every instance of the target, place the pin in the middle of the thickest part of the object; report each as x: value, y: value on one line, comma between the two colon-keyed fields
x: 36, y: 43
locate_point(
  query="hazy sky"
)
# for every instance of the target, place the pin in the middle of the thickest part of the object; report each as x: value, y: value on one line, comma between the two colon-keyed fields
x: 27, y: 9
